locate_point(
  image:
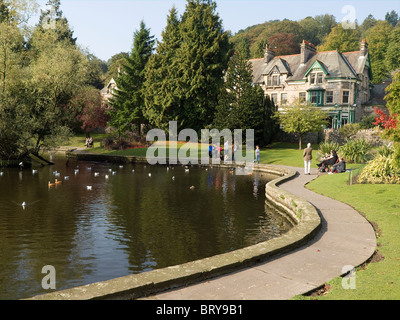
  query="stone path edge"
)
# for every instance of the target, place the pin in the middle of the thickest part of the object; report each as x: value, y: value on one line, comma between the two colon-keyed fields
x: 308, y: 223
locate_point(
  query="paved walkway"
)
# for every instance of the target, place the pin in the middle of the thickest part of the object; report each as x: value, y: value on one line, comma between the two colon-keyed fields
x: 346, y: 238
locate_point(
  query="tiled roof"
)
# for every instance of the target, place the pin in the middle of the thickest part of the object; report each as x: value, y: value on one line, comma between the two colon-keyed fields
x: 338, y: 65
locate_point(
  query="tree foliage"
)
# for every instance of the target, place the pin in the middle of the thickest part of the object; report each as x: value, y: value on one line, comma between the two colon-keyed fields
x: 127, y: 104
x: 40, y: 72
x: 188, y: 68
x: 301, y: 119
x: 161, y: 87
x: 243, y: 105
x: 341, y: 39
x: 378, y: 42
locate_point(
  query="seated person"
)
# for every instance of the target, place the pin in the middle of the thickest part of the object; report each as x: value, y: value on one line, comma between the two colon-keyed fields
x: 339, y: 167
x: 329, y: 161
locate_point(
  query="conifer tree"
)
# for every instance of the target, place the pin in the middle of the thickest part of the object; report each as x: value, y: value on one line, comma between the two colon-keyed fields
x: 53, y: 18
x: 243, y: 105
x: 202, y: 59
x: 127, y: 104
x: 161, y: 99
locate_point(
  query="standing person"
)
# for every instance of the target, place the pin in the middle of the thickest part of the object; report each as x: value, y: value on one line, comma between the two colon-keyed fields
x: 226, y: 150
x: 257, y: 155
x: 307, y: 157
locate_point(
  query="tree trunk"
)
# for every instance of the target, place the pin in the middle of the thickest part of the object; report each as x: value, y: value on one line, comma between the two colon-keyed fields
x: 300, y: 141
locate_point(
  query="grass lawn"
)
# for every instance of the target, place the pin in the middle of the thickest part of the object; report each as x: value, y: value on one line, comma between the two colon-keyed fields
x: 285, y: 154
x: 378, y: 203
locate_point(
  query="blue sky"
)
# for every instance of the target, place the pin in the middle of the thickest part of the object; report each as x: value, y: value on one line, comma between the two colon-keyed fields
x: 106, y: 27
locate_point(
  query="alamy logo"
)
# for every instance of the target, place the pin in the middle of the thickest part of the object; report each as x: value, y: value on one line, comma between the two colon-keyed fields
x: 49, y: 20
x: 49, y: 280
x: 349, y: 280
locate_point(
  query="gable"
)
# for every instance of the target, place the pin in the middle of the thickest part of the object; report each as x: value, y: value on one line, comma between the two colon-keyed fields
x: 317, y: 65
x: 277, y: 65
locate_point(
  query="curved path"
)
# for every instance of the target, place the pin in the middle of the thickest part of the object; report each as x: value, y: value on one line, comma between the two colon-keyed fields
x: 345, y: 239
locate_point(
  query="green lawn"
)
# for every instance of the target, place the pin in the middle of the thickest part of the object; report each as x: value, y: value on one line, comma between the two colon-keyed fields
x: 378, y: 203
x: 286, y: 154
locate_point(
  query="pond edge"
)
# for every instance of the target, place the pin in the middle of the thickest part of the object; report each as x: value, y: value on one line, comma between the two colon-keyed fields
x: 151, y: 282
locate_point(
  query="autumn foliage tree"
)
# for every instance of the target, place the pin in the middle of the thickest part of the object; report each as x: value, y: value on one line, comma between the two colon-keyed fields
x: 284, y: 44
x: 385, y: 121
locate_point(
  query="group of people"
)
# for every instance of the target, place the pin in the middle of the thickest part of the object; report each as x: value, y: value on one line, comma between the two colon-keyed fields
x: 215, y: 151
x: 331, y: 162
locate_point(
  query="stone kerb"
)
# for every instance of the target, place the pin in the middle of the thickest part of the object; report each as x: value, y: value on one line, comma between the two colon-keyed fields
x: 139, y: 285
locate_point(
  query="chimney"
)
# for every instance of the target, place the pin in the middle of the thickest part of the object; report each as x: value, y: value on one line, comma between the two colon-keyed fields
x: 307, y: 49
x: 364, y: 48
x: 268, y: 54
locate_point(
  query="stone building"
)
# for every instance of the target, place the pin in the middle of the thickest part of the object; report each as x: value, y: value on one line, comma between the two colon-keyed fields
x: 336, y: 82
x: 108, y: 90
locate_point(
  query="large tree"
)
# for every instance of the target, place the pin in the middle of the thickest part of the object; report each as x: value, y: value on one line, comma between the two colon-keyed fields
x: 201, y: 61
x: 54, y: 19
x: 284, y: 44
x: 127, y: 104
x: 301, y: 119
x: 53, y: 78
x: 341, y: 39
x: 161, y: 86
x: 242, y: 105
x: 392, y: 57
x: 378, y: 40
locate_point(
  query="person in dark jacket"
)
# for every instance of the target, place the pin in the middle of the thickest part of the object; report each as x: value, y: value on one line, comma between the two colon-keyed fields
x: 307, y: 157
x: 339, y: 167
x: 329, y: 161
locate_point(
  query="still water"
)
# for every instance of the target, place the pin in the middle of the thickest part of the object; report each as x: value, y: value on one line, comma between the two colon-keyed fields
x: 105, y: 220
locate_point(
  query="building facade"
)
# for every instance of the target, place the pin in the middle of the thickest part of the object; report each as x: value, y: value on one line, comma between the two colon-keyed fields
x: 108, y: 91
x: 338, y: 83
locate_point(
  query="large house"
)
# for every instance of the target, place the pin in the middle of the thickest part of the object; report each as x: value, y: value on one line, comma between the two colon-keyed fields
x: 108, y: 91
x: 336, y: 82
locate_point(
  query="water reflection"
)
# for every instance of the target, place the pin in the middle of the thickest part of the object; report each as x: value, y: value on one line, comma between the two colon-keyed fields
x: 134, y: 218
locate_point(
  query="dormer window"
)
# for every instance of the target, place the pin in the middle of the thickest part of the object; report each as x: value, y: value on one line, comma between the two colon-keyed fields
x: 315, y: 74
x: 316, y: 78
x: 274, y: 80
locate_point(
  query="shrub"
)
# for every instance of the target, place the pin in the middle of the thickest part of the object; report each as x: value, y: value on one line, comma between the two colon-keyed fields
x: 349, y: 130
x: 326, y: 147
x: 381, y: 169
x: 385, y: 151
x: 355, y: 151
x: 367, y: 122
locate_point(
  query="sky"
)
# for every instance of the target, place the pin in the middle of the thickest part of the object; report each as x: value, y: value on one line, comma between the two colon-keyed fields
x: 106, y: 27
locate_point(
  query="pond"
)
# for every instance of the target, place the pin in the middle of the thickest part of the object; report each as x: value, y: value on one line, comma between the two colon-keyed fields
x: 104, y: 221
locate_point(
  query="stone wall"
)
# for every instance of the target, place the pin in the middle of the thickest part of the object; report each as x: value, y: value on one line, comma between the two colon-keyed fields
x: 308, y: 223
x: 372, y: 136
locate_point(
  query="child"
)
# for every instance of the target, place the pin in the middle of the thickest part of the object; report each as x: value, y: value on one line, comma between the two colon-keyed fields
x: 257, y: 155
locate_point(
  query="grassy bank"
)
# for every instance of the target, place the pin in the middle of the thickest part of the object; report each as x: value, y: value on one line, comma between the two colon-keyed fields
x: 380, y: 278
